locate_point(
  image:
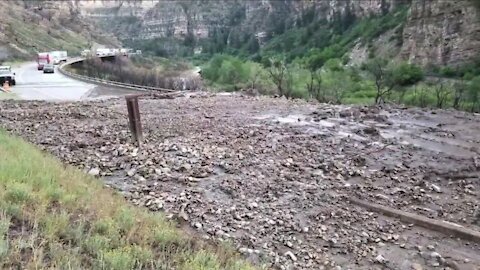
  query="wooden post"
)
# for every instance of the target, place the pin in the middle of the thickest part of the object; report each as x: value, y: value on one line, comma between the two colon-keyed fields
x: 134, y: 118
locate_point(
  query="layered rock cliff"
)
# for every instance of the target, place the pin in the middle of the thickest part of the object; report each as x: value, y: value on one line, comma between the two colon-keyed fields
x: 27, y: 27
x: 442, y: 32
x: 436, y: 32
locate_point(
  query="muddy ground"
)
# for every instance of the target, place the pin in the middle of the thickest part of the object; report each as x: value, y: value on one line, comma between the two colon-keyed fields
x: 274, y: 176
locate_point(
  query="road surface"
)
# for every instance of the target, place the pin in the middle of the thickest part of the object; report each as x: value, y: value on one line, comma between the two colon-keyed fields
x: 33, y: 84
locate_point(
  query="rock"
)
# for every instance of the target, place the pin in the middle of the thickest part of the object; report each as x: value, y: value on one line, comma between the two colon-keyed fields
x: 186, y: 167
x: 382, y: 197
x: 183, y: 215
x: 436, y: 188
x: 94, y: 171
x: 252, y: 205
x: 198, y: 225
x: 435, y: 255
x: 291, y: 256
x: 380, y: 259
x: 416, y: 266
x: 131, y: 172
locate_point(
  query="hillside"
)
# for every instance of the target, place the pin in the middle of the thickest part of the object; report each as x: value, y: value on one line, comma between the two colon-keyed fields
x: 431, y: 32
x: 27, y: 27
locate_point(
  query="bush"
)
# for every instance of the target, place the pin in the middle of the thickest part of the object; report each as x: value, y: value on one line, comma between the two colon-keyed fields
x: 407, y: 74
x: 230, y: 73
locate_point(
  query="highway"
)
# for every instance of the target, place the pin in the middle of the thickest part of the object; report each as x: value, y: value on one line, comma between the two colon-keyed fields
x: 33, y: 84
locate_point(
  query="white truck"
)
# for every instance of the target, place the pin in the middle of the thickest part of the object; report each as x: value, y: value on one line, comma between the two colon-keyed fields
x: 59, y: 57
x: 6, y: 75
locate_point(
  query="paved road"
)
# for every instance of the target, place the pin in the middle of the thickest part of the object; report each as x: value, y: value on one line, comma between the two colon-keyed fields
x: 33, y: 84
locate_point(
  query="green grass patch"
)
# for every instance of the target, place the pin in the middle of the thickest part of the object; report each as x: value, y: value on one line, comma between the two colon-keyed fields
x: 56, y: 217
x: 4, y: 96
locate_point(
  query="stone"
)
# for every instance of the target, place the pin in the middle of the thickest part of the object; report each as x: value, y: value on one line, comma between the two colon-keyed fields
x: 436, y: 188
x: 94, y: 171
x: 291, y: 256
x: 131, y: 172
x: 416, y: 266
x: 435, y: 255
x: 380, y: 259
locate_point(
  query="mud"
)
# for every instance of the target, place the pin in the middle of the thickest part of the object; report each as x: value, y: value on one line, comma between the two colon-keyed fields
x: 274, y: 176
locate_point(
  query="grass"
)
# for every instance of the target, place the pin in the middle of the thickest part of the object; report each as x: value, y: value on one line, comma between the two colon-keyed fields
x: 4, y: 95
x: 55, y: 217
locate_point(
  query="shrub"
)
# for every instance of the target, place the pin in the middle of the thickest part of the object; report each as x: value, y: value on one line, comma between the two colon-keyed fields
x: 407, y: 74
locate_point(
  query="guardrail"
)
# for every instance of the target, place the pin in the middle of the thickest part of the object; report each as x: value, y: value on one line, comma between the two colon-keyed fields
x: 87, y: 79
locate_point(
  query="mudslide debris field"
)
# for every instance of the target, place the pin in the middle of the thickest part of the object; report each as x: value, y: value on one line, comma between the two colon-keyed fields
x: 274, y: 176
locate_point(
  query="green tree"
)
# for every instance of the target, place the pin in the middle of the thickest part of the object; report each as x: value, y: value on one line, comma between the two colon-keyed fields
x: 279, y: 74
x: 382, y: 75
x: 314, y: 86
x: 404, y: 75
x: 473, y: 94
x: 458, y: 93
x: 407, y: 74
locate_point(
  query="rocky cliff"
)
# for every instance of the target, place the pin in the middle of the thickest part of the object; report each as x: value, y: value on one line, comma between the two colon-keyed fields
x: 435, y: 32
x: 27, y: 27
x: 442, y: 32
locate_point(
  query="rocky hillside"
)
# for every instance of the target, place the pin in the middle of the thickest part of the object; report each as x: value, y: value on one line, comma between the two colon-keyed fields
x: 27, y: 27
x: 434, y: 32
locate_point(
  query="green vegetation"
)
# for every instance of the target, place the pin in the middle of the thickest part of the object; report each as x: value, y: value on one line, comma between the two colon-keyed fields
x: 4, y: 95
x: 376, y: 81
x: 56, y: 217
x: 309, y: 58
x: 466, y: 71
x: 230, y: 73
x: 320, y: 40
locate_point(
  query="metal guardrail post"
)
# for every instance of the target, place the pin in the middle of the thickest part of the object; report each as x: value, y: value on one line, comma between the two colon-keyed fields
x: 134, y: 118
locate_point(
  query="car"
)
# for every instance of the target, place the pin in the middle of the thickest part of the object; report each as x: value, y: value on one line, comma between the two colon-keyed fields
x: 6, y: 75
x: 48, y: 68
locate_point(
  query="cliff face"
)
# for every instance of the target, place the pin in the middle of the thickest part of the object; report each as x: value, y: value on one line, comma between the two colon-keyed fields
x: 436, y: 32
x: 27, y: 27
x: 177, y: 18
x: 441, y: 32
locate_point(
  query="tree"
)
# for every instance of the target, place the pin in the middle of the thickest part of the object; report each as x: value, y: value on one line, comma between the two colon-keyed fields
x: 407, y: 74
x: 404, y: 75
x: 473, y: 94
x: 382, y: 75
x: 441, y: 92
x: 459, y: 90
x: 314, y: 87
x: 278, y: 73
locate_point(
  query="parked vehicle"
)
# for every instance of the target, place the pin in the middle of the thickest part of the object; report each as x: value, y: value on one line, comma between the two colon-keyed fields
x: 42, y: 59
x: 59, y: 57
x: 48, y: 68
x: 6, y: 75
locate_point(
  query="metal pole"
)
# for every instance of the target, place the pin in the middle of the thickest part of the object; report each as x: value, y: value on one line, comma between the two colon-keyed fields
x: 134, y: 118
